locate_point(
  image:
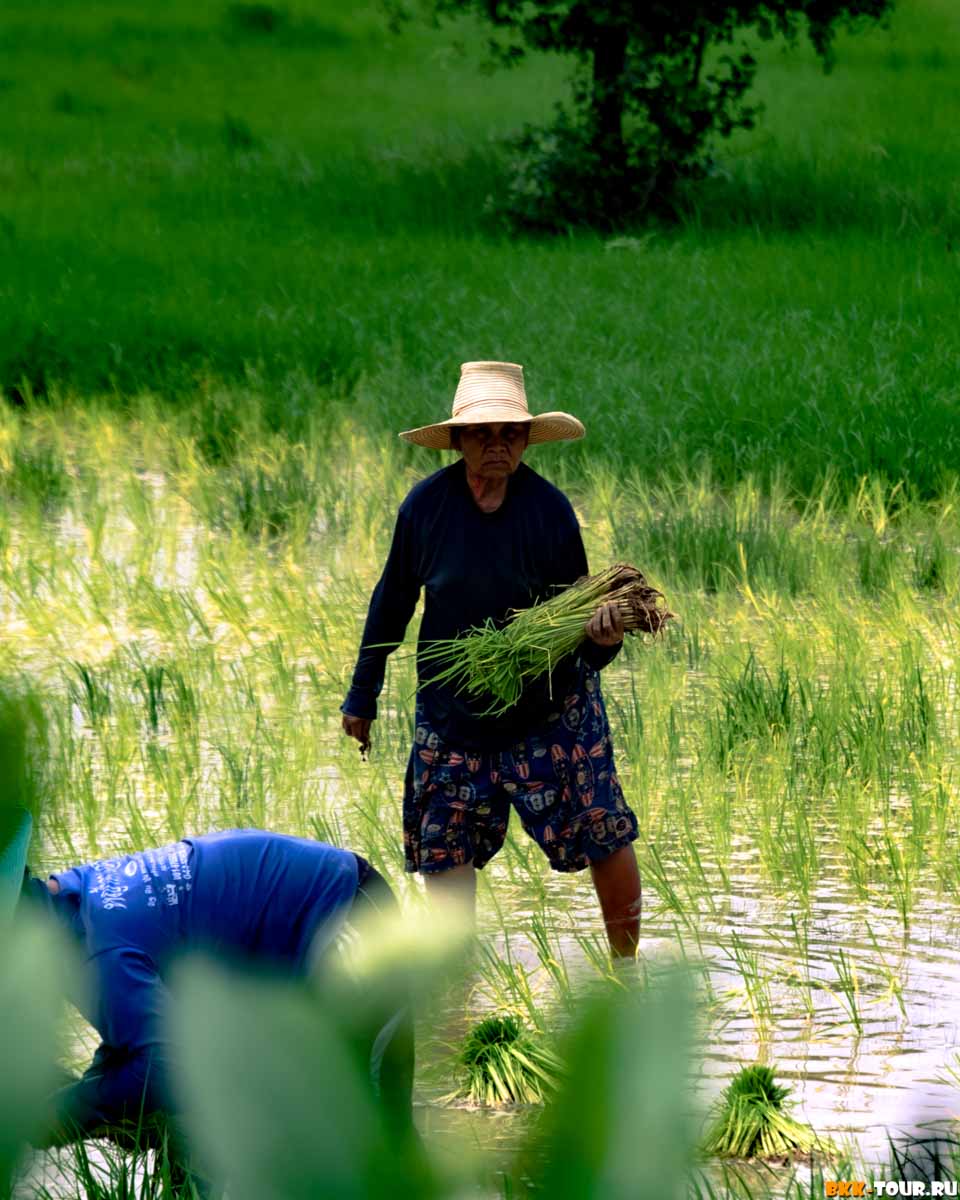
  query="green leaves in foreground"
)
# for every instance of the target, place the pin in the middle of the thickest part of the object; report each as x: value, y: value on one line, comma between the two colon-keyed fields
x: 278, y: 1107
x: 621, y: 1126
x: 754, y: 1123
x: 275, y: 1099
x: 30, y: 958
x: 30, y: 1002
x: 22, y: 739
x: 275, y: 1077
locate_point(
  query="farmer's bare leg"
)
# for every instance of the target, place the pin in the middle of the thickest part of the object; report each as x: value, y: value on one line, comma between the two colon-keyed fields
x: 617, y: 883
x: 453, y: 895
x: 454, y: 891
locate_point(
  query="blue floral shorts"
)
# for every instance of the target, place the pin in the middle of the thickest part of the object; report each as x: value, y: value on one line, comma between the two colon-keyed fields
x: 561, y: 781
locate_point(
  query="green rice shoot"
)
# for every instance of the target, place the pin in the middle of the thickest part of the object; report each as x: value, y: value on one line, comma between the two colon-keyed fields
x: 495, y: 662
x: 501, y: 1062
x: 753, y: 1121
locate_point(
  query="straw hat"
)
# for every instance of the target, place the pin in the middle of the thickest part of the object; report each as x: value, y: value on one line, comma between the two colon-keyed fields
x: 494, y: 391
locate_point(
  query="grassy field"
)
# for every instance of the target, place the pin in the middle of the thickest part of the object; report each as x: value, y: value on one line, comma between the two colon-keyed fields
x: 186, y: 200
x: 237, y: 260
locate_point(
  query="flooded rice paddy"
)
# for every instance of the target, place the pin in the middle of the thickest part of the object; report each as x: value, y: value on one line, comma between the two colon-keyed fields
x: 790, y: 748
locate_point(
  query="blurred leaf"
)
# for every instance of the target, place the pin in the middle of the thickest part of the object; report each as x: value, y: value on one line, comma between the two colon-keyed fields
x: 22, y: 735
x: 13, y: 857
x: 621, y: 1127
x: 387, y: 955
x: 31, y: 991
x: 274, y: 1098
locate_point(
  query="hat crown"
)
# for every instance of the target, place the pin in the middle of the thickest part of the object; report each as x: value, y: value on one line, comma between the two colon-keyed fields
x: 496, y: 387
x: 493, y: 393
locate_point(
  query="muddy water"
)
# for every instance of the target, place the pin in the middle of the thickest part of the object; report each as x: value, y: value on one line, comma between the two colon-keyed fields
x: 889, y: 1079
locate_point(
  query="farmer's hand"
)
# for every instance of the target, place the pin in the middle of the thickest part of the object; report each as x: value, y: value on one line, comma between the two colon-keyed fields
x: 605, y: 627
x: 359, y: 728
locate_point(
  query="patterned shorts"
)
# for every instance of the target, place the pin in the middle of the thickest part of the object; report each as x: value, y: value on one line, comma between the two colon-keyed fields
x: 562, y: 782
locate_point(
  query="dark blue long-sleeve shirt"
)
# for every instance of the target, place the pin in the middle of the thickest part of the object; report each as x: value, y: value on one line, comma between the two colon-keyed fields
x: 242, y: 894
x: 473, y: 566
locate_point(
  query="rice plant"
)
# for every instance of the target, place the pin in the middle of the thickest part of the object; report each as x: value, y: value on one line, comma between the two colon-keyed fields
x: 890, y: 972
x: 90, y: 692
x: 756, y: 985
x: 101, y: 1170
x: 654, y: 867
x: 36, y: 474
x: 847, y: 987
x: 716, y: 547
x: 755, y: 706
x: 149, y: 683
x: 501, y: 1062
x: 753, y: 1121
x: 901, y: 876
x: 551, y: 958
x: 877, y: 562
x: 497, y: 661
x: 266, y: 495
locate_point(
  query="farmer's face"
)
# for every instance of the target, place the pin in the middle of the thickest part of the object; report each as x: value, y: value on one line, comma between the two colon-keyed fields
x: 493, y: 451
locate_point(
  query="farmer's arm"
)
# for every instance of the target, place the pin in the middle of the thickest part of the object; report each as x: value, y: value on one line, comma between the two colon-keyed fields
x: 391, y: 607
x: 604, y: 636
x: 127, y: 1078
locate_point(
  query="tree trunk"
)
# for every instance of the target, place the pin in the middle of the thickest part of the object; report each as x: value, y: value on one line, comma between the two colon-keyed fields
x: 609, y: 66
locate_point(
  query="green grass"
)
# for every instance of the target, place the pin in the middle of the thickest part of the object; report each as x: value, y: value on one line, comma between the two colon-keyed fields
x: 101, y: 1170
x: 300, y: 211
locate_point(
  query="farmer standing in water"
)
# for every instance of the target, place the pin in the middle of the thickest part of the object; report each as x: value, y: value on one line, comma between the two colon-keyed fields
x: 481, y: 537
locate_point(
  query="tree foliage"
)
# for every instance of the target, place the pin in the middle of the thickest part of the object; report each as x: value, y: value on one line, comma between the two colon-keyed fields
x: 656, y: 81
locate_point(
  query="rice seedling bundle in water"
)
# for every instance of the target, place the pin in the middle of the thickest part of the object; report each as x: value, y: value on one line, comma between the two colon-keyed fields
x: 499, y: 661
x: 753, y: 1121
x: 500, y: 1063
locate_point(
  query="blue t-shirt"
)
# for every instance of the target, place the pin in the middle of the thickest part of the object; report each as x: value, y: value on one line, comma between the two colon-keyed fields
x: 243, y: 894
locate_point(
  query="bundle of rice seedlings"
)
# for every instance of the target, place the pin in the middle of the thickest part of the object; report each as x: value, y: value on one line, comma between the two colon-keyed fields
x: 753, y: 1121
x: 501, y: 1062
x: 498, y: 661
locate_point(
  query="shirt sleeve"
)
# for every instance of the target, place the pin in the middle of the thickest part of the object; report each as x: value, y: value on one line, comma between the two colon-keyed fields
x: 571, y: 551
x: 127, y: 1079
x: 391, y: 607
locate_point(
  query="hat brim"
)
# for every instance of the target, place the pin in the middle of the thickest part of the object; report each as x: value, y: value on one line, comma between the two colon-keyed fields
x: 544, y: 427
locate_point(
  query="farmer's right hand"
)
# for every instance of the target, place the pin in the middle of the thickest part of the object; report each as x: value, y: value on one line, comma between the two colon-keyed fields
x: 359, y: 728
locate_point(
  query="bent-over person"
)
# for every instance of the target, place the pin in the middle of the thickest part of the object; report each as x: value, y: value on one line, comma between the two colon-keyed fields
x: 481, y: 537
x: 258, y: 900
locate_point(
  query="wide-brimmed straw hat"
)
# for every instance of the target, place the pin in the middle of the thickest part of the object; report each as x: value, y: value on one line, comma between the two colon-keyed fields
x: 493, y: 392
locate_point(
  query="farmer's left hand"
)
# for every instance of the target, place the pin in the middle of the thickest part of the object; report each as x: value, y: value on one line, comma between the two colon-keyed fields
x: 605, y: 627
